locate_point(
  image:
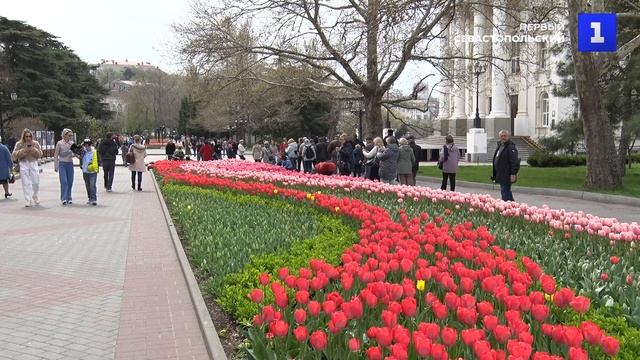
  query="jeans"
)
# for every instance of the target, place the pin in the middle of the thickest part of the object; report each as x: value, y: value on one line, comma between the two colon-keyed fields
x: 450, y: 176
x: 133, y: 179
x: 65, y: 172
x: 90, y: 184
x: 505, y: 192
x: 109, y: 167
x: 308, y: 166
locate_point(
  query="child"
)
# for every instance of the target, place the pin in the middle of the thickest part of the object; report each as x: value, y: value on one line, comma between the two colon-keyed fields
x: 89, y: 163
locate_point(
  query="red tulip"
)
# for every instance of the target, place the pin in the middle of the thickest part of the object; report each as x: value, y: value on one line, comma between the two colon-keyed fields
x: 519, y: 349
x: 440, y: 311
x: 318, y: 340
x: 338, y: 322
x: 399, y: 352
x: 300, y: 316
x: 374, y: 353
x: 468, y: 317
x: 572, y: 336
x: 548, y: 284
x: 578, y: 354
x: 401, y: 335
x: 629, y: 280
x: 329, y: 307
x: 469, y: 336
x: 279, y: 328
x: 438, y: 352
x: 354, y: 345
x: 485, y: 308
x: 256, y: 296
x: 422, y: 345
x: 389, y: 318
x: 449, y: 336
x: 563, y: 297
x: 490, y: 322
x: 314, y: 308
x: 610, y: 345
x: 591, y: 332
x: 540, y: 312
x: 409, y: 306
x: 501, y: 333
x: 384, y: 336
x: 604, y: 277
x: 614, y: 259
x: 580, y: 304
x: 482, y: 349
x: 302, y: 297
x: 263, y: 278
x: 281, y: 299
x: 268, y: 314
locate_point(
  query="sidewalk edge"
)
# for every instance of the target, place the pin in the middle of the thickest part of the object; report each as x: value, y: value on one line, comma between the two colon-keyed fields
x: 209, y: 333
x: 580, y: 195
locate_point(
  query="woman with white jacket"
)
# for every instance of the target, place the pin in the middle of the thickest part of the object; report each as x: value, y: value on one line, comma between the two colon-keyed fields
x: 27, y: 152
x: 371, y: 160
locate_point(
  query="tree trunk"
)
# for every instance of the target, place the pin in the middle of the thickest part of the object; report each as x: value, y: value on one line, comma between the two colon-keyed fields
x: 372, y: 122
x: 603, y: 171
x: 625, y: 137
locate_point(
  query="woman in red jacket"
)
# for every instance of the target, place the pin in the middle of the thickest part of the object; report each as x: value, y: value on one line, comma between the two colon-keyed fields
x: 206, y: 151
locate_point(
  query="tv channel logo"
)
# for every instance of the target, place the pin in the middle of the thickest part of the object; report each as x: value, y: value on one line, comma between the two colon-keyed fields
x: 597, y: 32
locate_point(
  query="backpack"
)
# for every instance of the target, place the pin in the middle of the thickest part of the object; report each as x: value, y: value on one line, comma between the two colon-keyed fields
x: 309, y: 153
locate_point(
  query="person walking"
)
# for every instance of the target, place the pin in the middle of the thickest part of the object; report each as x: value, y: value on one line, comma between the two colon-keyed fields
x: 205, y: 153
x: 256, y: 152
x: 107, y: 152
x: 90, y: 168
x: 417, y: 153
x: 406, y: 159
x: 63, y: 165
x: 321, y: 150
x: 358, y: 161
x: 187, y: 147
x: 137, y: 167
x: 292, y: 152
x: 506, y: 165
x: 27, y: 152
x: 345, y: 156
x: 6, y: 169
x: 267, y: 156
x: 448, y: 163
x: 389, y: 161
x: 241, y: 150
x: 308, y: 156
x: 123, y: 152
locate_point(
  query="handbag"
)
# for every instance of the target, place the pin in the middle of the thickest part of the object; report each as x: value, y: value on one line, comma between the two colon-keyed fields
x: 131, y: 158
x: 12, y: 178
x: 440, y: 164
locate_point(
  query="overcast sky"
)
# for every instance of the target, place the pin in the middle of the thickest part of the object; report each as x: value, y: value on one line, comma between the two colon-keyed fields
x: 134, y: 30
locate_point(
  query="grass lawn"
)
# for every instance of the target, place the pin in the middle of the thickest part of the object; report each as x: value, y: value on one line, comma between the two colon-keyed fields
x: 567, y: 178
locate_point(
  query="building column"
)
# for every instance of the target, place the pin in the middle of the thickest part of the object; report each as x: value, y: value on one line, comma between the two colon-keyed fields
x: 459, y: 117
x: 521, y: 126
x: 498, y: 118
x: 478, y: 52
x: 441, y: 123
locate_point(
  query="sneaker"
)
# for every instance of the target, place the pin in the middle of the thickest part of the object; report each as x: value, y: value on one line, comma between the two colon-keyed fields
x: 64, y: 202
x: 28, y: 204
x: 7, y: 195
x: 109, y: 190
x: 36, y: 201
x: 94, y: 203
x: 69, y: 202
x: 88, y: 202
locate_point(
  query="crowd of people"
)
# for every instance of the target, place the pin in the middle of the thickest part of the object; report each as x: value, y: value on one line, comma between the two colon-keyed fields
x: 388, y: 160
x: 27, y: 154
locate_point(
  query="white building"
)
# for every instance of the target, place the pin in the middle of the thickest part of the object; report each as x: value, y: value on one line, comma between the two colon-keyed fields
x: 516, y: 90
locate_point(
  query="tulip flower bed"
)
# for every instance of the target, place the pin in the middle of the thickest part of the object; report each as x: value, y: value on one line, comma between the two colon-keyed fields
x: 418, y: 287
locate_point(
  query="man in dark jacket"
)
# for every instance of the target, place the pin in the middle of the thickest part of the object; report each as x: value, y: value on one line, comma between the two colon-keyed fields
x: 108, y: 152
x: 170, y: 149
x: 505, y: 165
x: 417, y: 153
x: 345, y: 156
x: 322, y: 154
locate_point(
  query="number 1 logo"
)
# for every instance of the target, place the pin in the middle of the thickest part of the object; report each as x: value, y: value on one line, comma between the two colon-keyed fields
x: 597, y: 32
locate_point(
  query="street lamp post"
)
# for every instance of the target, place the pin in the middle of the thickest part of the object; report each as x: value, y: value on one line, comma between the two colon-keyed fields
x: 478, y: 69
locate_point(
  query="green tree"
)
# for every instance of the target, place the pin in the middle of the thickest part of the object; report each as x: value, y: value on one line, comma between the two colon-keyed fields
x: 52, y: 83
x: 188, y: 112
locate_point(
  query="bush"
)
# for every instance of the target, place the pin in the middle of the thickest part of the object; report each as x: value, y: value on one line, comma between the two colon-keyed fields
x: 547, y: 159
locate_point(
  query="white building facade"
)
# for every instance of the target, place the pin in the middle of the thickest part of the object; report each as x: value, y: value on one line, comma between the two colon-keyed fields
x: 516, y: 89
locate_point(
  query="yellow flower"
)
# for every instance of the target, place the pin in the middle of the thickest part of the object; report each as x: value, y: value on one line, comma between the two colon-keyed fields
x: 337, y: 209
x: 420, y: 285
x: 548, y: 297
x: 275, y: 191
x: 312, y: 198
x: 309, y: 196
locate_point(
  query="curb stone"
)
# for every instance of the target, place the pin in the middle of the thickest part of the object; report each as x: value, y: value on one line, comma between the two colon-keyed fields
x: 580, y: 195
x: 209, y: 333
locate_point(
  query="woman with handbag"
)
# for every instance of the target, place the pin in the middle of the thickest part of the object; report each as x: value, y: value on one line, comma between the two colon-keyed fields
x: 135, y: 157
x: 6, y: 171
x: 448, y: 163
x: 27, y: 152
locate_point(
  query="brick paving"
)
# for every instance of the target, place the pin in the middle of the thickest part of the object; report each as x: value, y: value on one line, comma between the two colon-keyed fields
x: 84, y: 282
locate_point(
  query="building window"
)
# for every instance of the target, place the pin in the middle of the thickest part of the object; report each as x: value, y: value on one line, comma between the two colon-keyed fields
x: 543, y: 54
x: 515, y: 57
x: 544, y: 107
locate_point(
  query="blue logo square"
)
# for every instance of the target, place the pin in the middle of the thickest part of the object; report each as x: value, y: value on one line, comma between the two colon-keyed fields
x: 597, y: 32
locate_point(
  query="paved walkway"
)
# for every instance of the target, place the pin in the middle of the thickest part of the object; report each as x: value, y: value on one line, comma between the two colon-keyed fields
x: 84, y: 282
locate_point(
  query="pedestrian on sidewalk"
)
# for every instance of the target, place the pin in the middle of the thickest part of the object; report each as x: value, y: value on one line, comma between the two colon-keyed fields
x: 506, y: 165
x: 90, y: 167
x: 27, y: 152
x: 417, y: 153
x: 108, y: 151
x: 256, y: 151
x: 139, y: 152
x: 389, y: 161
x: 406, y: 159
x: 205, y: 153
x: 448, y: 162
x: 170, y: 149
x: 63, y: 165
x: 124, y: 148
x: 6, y: 169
